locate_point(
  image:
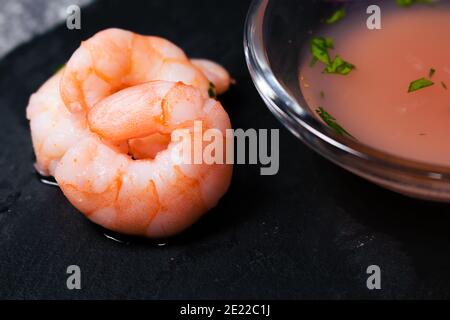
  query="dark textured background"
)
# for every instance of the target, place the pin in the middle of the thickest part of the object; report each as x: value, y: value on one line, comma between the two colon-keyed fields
x: 308, y: 232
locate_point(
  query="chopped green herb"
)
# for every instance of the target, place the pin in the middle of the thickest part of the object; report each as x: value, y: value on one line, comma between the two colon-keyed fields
x: 313, y: 62
x: 60, y: 68
x: 420, y: 84
x: 319, y: 49
x: 339, y: 66
x: 444, y: 85
x: 336, y: 16
x: 322, y: 94
x: 432, y: 72
x: 212, y: 90
x: 331, y: 122
x: 408, y: 3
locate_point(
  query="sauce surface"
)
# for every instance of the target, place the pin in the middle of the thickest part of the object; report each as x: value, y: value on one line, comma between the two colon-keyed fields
x: 372, y: 102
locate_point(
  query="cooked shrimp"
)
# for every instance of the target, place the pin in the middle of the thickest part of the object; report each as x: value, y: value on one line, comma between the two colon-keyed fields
x: 53, y: 128
x: 215, y: 73
x: 114, y: 160
x: 114, y: 59
x: 110, y: 60
x: 148, y: 147
x: 148, y: 197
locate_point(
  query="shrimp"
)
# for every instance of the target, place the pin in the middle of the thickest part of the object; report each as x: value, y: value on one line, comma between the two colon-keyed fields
x: 111, y: 60
x: 115, y: 59
x: 53, y: 128
x: 104, y: 128
x: 215, y: 73
x: 151, y: 197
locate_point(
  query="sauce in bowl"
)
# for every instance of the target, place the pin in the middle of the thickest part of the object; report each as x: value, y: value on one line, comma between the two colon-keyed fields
x: 392, y: 94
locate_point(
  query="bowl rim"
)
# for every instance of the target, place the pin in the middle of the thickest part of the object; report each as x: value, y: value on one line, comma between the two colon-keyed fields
x: 279, y: 100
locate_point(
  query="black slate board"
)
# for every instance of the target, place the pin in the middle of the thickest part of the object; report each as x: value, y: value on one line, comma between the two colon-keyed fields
x: 308, y: 232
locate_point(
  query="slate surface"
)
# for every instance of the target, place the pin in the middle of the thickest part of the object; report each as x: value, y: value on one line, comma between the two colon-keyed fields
x: 308, y: 232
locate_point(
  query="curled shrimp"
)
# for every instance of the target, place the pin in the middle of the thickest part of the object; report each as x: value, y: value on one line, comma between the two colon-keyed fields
x: 105, y: 126
x: 115, y: 59
x: 53, y: 128
x: 111, y: 60
x: 148, y: 197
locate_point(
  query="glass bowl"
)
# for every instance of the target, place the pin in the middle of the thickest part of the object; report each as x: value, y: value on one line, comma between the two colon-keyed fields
x: 275, y: 33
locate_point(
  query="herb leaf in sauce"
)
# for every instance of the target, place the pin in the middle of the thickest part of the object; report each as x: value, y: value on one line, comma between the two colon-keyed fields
x: 432, y: 72
x: 339, y: 66
x: 336, y: 16
x: 319, y: 49
x: 419, y: 84
x: 331, y: 122
x: 322, y: 94
x: 408, y: 3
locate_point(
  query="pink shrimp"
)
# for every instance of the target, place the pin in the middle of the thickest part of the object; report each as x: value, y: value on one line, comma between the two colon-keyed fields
x: 111, y: 60
x: 149, y: 197
x: 104, y: 128
x: 114, y: 59
x: 53, y: 128
x: 215, y: 73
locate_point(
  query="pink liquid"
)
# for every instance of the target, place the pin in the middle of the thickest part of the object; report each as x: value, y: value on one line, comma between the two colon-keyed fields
x: 372, y: 102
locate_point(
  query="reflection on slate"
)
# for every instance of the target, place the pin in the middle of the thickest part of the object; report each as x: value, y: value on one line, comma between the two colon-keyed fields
x: 309, y: 232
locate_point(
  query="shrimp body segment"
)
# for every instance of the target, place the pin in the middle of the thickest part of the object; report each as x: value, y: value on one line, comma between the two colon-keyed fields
x: 114, y: 59
x: 215, y: 73
x: 148, y: 197
x: 54, y: 129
